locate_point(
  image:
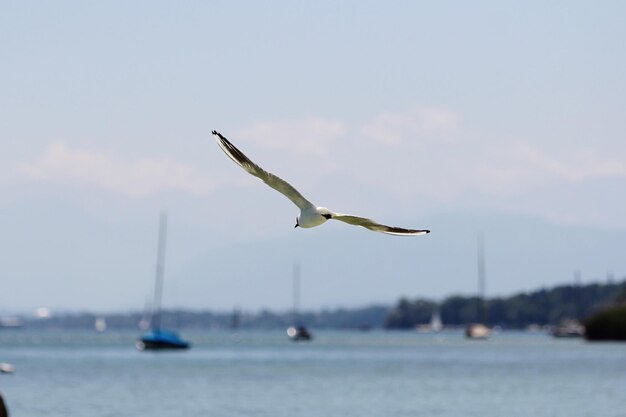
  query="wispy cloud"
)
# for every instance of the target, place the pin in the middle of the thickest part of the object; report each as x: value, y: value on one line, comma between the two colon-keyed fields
x: 421, y: 124
x: 310, y: 135
x: 439, y: 157
x: 62, y: 164
x: 515, y: 166
x: 423, y: 153
x: 578, y: 165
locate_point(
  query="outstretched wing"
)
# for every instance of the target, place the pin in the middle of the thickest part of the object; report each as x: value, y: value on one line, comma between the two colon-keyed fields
x: 270, y: 179
x: 377, y: 227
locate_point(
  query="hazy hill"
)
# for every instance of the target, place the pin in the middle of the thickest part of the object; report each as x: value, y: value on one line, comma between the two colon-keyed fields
x: 69, y: 258
x: 345, y: 266
x: 545, y: 306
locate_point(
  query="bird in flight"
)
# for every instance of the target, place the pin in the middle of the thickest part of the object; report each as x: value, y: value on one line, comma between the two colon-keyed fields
x: 310, y: 214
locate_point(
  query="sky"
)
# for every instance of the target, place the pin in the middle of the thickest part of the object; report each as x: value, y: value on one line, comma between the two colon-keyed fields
x: 419, y: 114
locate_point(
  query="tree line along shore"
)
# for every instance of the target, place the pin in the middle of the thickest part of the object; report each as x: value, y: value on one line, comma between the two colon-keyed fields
x: 543, y: 307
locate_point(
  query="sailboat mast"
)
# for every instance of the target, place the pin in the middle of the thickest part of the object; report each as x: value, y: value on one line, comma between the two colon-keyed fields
x: 158, y: 287
x: 482, y: 308
x: 296, y: 292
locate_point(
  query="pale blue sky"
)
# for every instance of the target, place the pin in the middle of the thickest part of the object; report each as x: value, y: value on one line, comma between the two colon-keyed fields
x: 399, y: 111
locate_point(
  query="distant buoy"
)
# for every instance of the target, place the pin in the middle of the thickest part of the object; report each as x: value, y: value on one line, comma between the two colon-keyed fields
x: 6, y: 368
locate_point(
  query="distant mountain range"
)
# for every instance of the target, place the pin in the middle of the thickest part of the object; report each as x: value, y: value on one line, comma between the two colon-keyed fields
x: 355, y: 267
x: 71, y: 258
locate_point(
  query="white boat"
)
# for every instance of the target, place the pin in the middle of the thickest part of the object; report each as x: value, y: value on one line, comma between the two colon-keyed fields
x: 6, y: 368
x: 100, y: 324
x: 569, y: 328
x: 477, y: 331
x: 434, y: 326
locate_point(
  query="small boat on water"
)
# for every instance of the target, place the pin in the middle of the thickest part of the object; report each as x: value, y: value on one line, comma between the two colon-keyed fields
x: 569, y: 328
x: 434, y: 326
x: 100, y: 324
x: 6, y: 368
x: 157, y: 338
x: 479, y: 331
x: 297, y: 332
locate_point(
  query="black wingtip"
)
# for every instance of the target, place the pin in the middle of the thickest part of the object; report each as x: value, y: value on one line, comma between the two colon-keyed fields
x: 219, y: 135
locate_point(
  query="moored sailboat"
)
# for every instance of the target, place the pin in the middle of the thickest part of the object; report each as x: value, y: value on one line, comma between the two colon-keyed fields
x: 158, y: 338
x: 297, y: 331
x: 480, y: 331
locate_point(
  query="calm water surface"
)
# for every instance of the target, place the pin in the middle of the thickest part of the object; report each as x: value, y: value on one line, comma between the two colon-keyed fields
x: 338, y: 374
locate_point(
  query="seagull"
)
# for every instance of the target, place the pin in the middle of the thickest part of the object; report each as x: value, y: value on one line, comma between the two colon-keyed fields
x: 310, y: 214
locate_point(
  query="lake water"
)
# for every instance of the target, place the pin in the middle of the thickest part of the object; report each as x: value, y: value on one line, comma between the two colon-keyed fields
x: 360, y: 374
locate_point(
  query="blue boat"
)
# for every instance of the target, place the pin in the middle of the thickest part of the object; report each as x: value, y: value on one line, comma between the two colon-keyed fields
x: 157, y: 338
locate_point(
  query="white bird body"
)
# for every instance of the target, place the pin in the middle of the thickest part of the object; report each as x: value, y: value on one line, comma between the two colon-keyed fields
x: 313, y: 216
x: 310, y: 214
